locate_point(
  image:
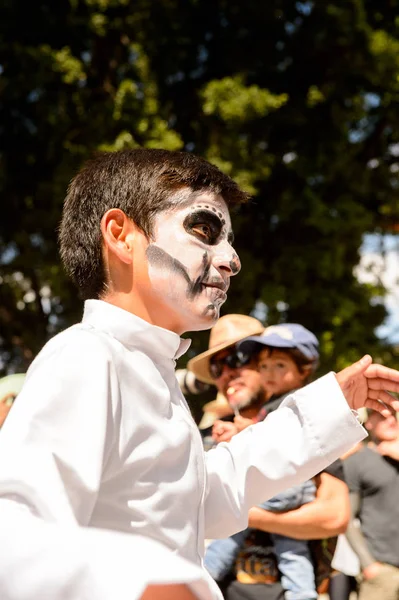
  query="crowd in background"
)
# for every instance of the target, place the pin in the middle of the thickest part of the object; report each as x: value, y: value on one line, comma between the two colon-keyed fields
x: 336, y: 534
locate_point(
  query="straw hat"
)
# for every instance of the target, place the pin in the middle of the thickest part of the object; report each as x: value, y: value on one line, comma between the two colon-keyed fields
x: 229, y: 330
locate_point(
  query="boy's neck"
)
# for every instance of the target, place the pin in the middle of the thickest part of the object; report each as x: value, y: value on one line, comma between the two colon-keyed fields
x: 137, y: 307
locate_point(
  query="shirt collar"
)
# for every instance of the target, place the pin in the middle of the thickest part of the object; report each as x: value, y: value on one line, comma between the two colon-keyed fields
x: 132, y: 331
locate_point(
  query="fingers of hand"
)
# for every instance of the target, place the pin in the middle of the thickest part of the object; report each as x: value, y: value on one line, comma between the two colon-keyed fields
x: 384, y: 396
x: 344, y: 377
x: 377, y: 406
x: 218, y: 426
x: 224, y: 434
x: 360, y: 366
x: 381, y: 372
x: 226, y: 437
x: 379, y: 383
x: 221, y: 428
x: 381, y: 406
x: 242, y: 423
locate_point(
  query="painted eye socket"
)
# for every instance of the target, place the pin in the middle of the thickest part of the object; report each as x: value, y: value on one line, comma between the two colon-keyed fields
x: 203, y: 230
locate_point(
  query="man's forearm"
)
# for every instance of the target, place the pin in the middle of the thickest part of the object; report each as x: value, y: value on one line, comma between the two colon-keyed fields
x: 359, y: 545
x: 355, y: 535
x: 326, y: 516
x: 310, y: 521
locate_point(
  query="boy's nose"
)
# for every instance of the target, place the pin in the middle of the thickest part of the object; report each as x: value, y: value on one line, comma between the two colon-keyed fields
x: 227, y: 260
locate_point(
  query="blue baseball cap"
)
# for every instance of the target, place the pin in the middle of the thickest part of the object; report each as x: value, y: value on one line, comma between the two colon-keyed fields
x: 287, y: 335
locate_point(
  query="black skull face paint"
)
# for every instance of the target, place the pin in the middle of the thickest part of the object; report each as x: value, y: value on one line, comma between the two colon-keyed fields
x: 204, y: 224
x: 162, y: 260
x: 235, y: 264
x: 196, y: 286
x: 157, y: 257
x: 191, y: 260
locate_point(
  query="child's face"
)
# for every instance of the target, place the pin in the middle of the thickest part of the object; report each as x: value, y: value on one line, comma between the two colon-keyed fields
x: 279, y: 372
x: 190, y: 262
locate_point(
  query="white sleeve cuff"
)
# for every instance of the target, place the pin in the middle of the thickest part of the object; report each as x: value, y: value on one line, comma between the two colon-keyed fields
x: 332, y: 422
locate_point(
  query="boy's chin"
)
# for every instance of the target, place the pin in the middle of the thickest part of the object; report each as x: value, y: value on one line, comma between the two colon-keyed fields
x: 204, y: 319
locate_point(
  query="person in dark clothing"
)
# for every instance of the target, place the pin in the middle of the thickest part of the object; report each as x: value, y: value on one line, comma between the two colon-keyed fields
x: 373, y: 478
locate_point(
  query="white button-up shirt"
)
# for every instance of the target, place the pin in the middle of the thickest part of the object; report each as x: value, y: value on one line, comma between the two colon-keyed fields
x: 101, y: 438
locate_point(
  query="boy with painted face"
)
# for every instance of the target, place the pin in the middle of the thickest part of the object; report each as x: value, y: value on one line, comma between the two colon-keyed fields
x: 106, y: 492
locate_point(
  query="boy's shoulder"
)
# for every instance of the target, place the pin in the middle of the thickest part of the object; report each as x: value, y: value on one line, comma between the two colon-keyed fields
x: 77, y: 333
x: 88, y: 344
x: 76, y: 342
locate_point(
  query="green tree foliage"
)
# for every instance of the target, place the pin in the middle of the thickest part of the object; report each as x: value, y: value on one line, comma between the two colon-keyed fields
x: 296, y: 100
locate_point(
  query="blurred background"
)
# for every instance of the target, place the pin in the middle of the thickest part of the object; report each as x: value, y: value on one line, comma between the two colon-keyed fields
x: 298, y: 101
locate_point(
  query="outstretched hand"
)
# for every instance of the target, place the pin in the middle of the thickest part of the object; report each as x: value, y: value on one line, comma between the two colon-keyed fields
x: 367, y: 384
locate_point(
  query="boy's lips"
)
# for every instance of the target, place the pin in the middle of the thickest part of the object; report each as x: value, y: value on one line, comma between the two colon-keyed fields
x: 217, y: 292
x: 218, y: 284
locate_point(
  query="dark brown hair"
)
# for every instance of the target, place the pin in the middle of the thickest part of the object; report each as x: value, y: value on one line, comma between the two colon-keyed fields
x: 141, y: 183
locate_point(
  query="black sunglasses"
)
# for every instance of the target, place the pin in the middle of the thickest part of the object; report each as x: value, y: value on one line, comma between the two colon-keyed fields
x: 233, y: 360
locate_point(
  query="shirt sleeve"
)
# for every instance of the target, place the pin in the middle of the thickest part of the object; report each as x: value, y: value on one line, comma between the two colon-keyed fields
x: 311, y: 429
x: 336, y: 469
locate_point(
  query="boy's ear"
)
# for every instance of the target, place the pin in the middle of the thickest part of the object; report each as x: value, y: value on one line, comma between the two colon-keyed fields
x: 119, y: 232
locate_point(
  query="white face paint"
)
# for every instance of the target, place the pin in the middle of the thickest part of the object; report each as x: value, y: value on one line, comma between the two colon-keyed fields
x: 191, y: 260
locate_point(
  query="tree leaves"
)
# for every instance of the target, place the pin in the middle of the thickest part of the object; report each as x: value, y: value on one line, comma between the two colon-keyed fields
x: 296, y: 100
